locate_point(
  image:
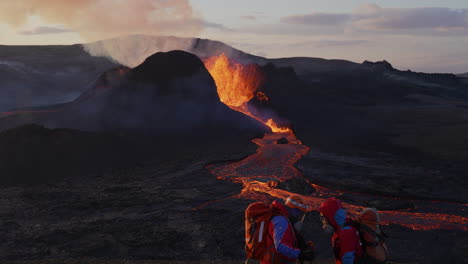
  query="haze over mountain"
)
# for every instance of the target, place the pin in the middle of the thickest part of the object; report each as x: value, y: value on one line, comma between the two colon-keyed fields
x: 42, y: 75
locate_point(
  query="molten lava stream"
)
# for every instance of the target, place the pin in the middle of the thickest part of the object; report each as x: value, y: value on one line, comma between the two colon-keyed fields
x: 273, y: 163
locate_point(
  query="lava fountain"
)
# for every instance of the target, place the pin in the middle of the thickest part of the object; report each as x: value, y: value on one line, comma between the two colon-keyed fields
x: 273, y: 162
x: 237, y: 84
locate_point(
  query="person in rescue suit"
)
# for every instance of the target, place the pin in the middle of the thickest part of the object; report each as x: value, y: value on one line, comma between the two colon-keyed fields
x: 282, y: 237
x: 345, y: 240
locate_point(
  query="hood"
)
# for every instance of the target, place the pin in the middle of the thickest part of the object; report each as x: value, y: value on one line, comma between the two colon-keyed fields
x: 333, y: 212
x: 280, y: 207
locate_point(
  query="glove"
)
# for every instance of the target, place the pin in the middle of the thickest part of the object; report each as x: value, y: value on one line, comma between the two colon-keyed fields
x: 307, y: 254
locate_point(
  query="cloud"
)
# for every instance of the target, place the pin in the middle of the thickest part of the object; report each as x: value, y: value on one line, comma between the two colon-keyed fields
x: 372, y: 17
x: 249, y: 17
x: 208, y: 24
x: 317, y: 19
x: 375, y: 19
x: 97, y: 19
x: 337, y: 43
x: 327, y: 43
x: 45, y: 30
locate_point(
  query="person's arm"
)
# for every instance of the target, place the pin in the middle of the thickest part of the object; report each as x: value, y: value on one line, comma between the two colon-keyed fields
x: 283, y: 243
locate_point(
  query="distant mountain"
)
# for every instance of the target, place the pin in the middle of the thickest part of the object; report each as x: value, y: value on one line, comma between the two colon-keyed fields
x: 132, y: 50
x: 44, y: 75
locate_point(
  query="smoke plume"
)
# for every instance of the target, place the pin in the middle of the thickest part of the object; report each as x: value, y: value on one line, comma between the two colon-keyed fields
x: 98, y: 19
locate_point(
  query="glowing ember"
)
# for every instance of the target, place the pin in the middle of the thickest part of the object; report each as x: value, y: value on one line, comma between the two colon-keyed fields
x: 262, y: 97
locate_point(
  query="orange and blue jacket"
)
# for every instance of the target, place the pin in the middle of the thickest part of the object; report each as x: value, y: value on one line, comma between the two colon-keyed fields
x: 281, y: 240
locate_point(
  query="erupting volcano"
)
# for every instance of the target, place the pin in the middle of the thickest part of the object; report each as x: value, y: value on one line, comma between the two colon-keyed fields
x: 273, y: 163
x: 237, y: 84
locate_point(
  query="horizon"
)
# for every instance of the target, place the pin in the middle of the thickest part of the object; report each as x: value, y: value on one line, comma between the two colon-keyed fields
x: 136, y: 35
x: 422, y: 36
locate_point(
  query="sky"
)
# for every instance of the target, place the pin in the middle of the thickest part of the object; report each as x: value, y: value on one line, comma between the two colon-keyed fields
x: 421, y: 35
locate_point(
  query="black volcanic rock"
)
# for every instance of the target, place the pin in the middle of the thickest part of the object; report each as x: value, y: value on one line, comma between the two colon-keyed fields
x: 161, y: 68
x: 378, y: 65
x: 282, y: 140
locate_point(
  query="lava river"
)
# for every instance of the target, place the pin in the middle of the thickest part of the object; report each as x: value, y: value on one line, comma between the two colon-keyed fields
x: 273, y: 162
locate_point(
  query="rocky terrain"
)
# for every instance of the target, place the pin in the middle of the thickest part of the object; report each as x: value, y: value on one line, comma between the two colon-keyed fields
x: 121, y: 193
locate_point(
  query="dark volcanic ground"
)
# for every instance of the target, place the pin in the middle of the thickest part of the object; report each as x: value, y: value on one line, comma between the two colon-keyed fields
x: 143, y: 211
x: 121, y: 195
x: 157, y: 208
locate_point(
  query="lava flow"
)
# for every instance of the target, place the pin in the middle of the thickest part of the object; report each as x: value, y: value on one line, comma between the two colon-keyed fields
x: 237, y: 84
x: 278, y: 152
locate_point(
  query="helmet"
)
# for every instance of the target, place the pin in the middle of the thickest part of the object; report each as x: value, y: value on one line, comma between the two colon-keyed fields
x: 296, y: 201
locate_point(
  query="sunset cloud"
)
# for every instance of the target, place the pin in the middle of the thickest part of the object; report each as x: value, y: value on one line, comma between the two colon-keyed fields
x: 317, y: 19
x: 371, y: 17
x: 45, y: 30
x: 97, y: 19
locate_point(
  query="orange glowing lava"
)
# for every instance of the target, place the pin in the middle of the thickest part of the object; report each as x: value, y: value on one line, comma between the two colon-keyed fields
x: 273, y: 163
x: 275, y: 128
x: 237, y: 84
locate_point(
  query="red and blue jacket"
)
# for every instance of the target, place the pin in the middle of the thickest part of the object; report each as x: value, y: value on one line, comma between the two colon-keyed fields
x: 281, y: 239
x: 345, y: 240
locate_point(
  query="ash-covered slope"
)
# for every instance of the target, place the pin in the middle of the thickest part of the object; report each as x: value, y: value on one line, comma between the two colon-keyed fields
x: 43, y: 75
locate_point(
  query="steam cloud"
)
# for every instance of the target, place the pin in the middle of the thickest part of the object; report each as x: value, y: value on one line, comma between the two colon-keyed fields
x: 98, y: 19
x: 133, y: 50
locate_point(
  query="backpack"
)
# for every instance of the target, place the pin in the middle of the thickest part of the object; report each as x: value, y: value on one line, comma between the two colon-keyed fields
x: 257, y: 219
x: 372, y: 237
